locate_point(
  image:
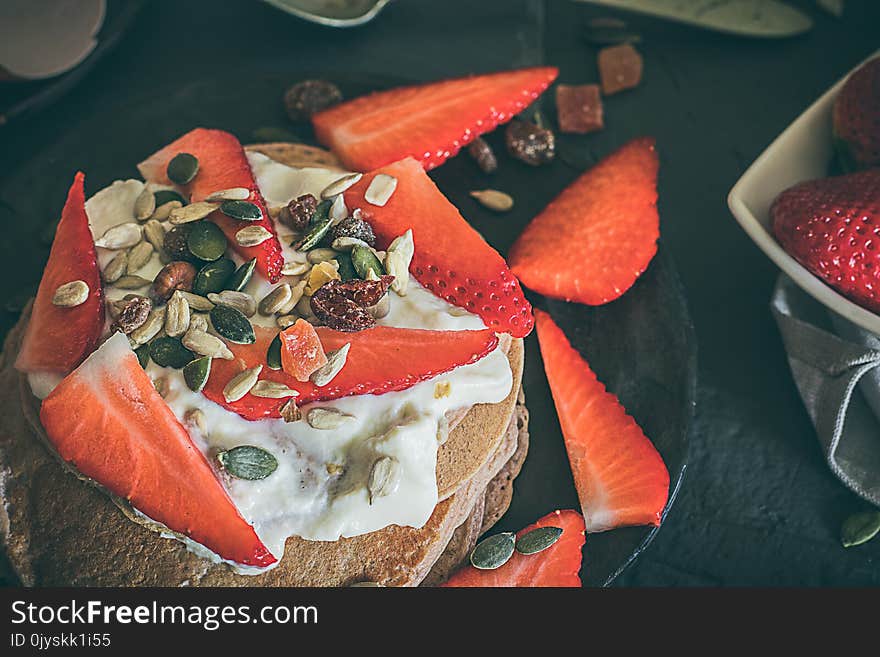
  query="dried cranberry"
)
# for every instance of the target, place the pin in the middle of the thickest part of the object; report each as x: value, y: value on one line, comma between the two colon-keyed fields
x: 309, y: 97
x: 353, y: 227
x: 299, y: 212
x: 530, y: 143
x: 483, y: 155
x: 343, y: 306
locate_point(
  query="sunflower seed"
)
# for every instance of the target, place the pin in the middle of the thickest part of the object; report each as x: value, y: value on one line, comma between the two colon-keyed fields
x: 290, y: 411
x: 272, y: 390
x: 196, y: 418
x: 248, y: 462
x: 242, y: 210
x: 493, y: 199
x: 144, y: 204
x: 335, y: 362
x: 197, y: 302
x: 252, y: 236
x: 71, y: 294
x: 538, y: 539
x: 182, y: 168
x: 285, y: 321
x: 860, y: 528
x: 196, y: 373
x: 163, y: 212
x: 241, y: 384
x: 154, y: 233
x: 369, y: 585
x: 131, y: 282
x: 205, y: 344
x: 338, y: 211
x: 231, y: 194
x: 396, y: 266
x: 327, y: 418
x: 320, y: 255
x: 149, y: 329
x: 296, y: 293
x: 191, y: 212
x: 442, y: 429
x: 116, y: 267
x: 493, y: 552
x: 120, y: 237
x: 340, y: 185
x: 334, y: 469
x: 295, y: 268
x: 177, y: 315
x: 347, y: 243
x: 241, y: 301
x: 198, y: 321
x: 275, y: 300
x: 161, y: 386
x: 380, y: 190
x: 384, y: 477
x: 138, y: 256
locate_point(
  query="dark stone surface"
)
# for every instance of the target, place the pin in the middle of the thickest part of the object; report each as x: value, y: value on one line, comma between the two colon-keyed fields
x: 758, y: 505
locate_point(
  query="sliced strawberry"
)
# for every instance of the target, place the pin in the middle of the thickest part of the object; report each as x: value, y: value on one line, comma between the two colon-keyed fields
x: 380, y: 359
x: 856, y: 117
x: 108, y: 421
x: 223, y: 164
x: 558, y: 565
x: 597, y: 237
x: 451, y: 258
x: 58, y: 339
x: 301, y: 350
x: 620, y: 478
x: 430, y: 122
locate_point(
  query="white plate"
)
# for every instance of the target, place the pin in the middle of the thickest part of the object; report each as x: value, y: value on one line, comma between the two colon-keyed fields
x: 802, y: 152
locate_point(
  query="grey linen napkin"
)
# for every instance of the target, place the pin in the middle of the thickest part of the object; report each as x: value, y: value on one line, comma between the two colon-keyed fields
x: 835, y: 366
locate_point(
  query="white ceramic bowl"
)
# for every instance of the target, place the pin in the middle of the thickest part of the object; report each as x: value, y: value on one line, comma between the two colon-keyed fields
x: 802, y: 152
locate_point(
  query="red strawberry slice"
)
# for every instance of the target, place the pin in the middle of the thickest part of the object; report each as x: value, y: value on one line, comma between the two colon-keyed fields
x: 597, y: 237
x: 222, y: 165
x: 380, y: 359
x: 107, y: 420
x: 620, y: 478
x: 856, y: 117
x: 451, y: 258
x: 58, y: 339
x: 831, y: 227
x: 557, y: 566
x: 430, y: 122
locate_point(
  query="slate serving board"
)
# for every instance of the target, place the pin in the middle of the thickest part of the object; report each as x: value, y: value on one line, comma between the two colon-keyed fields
x: 641, y: 346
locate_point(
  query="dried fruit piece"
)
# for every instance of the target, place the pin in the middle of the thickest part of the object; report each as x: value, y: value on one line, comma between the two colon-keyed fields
x: 299, y: 212
x: 301, y: 350
x: 134, y: 314
x: 320, y: 275
x: 175, y: 242
x: 620, y: 67
x: 483, y: 155
x: 531, y: 144
x: 309, y: 97
x: 343, y: 306
x: 579, y: 108
x: 353, y: 227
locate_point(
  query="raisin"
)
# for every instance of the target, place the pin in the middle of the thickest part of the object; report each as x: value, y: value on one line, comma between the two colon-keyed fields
x: 133, y: 314
x: 353, y: 227
x: 299, y: 212
x: 175, y: 243
x: 309, y: 97
x: 344, y: 306
x: 579, y: 108
x: 530, y: 143
x: 483, y: 155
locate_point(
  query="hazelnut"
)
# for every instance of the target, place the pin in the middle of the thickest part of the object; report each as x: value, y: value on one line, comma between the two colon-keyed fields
x: 176, y: 275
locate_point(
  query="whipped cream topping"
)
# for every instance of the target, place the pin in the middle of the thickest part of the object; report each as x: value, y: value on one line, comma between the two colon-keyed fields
x: 307, y: 496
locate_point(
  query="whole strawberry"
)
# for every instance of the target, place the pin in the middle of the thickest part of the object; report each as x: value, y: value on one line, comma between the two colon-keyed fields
x: 856, y: 118
x: 832, y: 227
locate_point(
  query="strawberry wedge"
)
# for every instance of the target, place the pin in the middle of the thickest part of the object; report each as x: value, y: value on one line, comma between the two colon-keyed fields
x: 430, y: 122
x: 223, y: 164
x: 451, y: 258
x: 620, y: 478
x: 107, y: 420
x: 57, y: 338
x: 380, y: 359
x: 557, y: 566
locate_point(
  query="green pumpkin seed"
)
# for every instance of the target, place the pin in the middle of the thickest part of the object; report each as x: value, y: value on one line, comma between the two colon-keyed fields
x: 273, y: 355
x: 143, y: 354
x: 182, y: 168
x: 241, y: 210
x: 363, y: 260
x: 196, y: 373
x: 231, y: 324
x: 322, y: 211
x: 860, y: 528
x: 170, y: 352
x: 537, y: 540
x: 213, y: 276
x: 248, y: 462
x: 315, y: 235
x: 346, y: 269
x: 493, y: 552
x: 242, y: 276
x: 206, y: 241
x: 164, y: 196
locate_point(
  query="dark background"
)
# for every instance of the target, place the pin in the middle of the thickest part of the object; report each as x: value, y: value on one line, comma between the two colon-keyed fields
x: 758, y: 505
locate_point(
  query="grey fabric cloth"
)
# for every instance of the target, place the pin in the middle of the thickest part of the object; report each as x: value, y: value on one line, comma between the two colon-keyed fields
x: 835, y: 366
